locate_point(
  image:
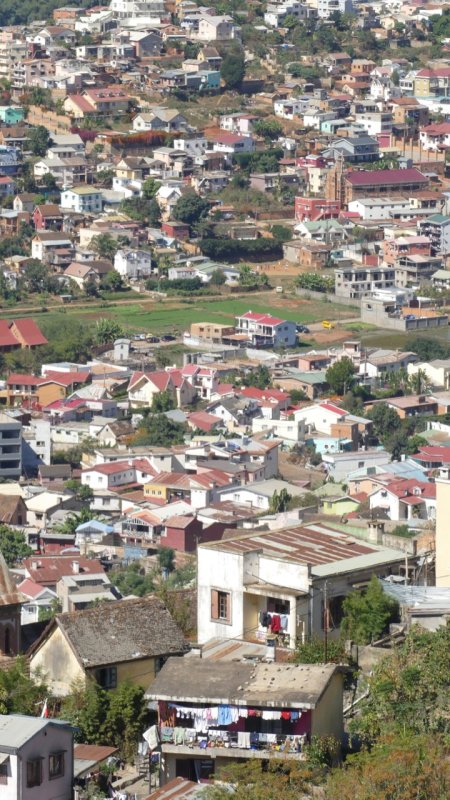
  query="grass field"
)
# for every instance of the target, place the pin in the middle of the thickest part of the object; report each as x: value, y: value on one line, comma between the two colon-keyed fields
x: 172, y: 315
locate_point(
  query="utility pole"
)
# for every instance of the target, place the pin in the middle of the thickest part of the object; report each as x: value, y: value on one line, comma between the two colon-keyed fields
x: 325, y: 620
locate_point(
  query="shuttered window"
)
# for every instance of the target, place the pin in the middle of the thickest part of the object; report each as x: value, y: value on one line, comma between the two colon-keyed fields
x: 220, y: 606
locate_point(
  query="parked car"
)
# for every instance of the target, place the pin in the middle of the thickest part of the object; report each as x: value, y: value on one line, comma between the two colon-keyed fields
x: 302, y: 329
x: 168, y: 337
x: 152, y: 339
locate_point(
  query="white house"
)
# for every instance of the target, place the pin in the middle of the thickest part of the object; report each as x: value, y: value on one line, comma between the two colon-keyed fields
x: 133, y: 264
x: 38, y: 598
x: 434, y: 136
x: 288, y: 109
x: 83, y: 200
x: 259, y: 494
x: 339, y: 465
x: 406, y: 499
x: 244, y: 578
x: 325, y: 8
x: 263, y: 330
x: 237, y: 123
x: 109, y: 476
x: 36, y: 758
x: 380, y: 208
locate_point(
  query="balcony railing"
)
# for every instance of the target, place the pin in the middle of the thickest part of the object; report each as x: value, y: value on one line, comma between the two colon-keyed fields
x: 231, y: 741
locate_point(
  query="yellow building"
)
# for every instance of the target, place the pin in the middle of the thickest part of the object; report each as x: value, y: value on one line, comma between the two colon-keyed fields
x: 442, y: 528
x: 109, y: 643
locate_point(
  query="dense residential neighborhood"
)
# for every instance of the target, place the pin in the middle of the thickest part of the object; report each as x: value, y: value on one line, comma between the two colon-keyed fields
x: 225, y: 400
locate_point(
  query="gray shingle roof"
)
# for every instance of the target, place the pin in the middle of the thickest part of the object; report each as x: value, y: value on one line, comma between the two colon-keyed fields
x: 125, y: 630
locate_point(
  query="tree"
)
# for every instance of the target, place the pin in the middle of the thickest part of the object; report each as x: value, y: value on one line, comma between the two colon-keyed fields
x: 217, y: 278
x: 281, y: 233
x: 80, y: 491
x: 150, y: 188
x: 112, y: 281
x: 312, y: 651
x: 13, y: 545
x: 133, y: 580
x: 46, y: 614
x: 105, y: 246
x: 419, y: 381
x: 367, y: 614
x: 166, y: 558
x: 384, y: 419
x: 268, y: 128
x: 142, y: 209
x: 126, y: 717
x: 163, y: 401
x: 19, y: 694
x: 36, y: 275
x: 232, y: 70
x: 409, y: 688
x: 190, y: 208
x: 279, y: 501
x: 341, y: 375
x: 49, y: 181
x: 396, y: 768
x: 260, y: 378
x: 249, y: 279
x: 162, y: 360
x: 39, y: 140
x: 315, y: 282
x: 160, y: 431
x: 73, y: 520
x: 107, y: 330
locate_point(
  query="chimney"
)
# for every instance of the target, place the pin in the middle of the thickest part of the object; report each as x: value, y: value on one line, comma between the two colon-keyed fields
x: 375, y: 532
x: 35, y: 565
x: 76, y: 567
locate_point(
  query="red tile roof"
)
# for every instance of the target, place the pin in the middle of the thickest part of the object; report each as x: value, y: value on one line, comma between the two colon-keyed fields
x: 82, y: 103
x: 383, y: 177
x: 29, y: 332
x: 264, y: 319
x: 7, y: 338
x: 67, y: 378
x: 50, y: 569
x: 203, y: 420
x: 24, y: 379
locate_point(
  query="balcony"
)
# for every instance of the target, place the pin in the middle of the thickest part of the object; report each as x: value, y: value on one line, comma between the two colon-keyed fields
x: 227, y: 744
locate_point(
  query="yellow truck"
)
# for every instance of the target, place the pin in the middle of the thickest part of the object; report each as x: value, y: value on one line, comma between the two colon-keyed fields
x: 328, y: 325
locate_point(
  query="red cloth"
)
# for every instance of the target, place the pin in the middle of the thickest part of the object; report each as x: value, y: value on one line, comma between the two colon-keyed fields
x: 276, y: 623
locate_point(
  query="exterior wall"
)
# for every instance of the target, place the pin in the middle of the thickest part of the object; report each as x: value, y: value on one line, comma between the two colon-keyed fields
x: 51, y: 739
x: 58, y: 664
x: 141, y: 672
x: 327, y: 717
x: 10, y: 630
x: 442, y: 532
x: 10, y: 449
x: 217, y: 570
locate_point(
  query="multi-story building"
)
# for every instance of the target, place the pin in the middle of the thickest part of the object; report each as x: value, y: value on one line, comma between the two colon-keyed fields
x: 356, y: 280
x: 263, y: 330
x: 437, y: 229
x: 10, y: 448
x: 325, y: 8
x: 82, y: 199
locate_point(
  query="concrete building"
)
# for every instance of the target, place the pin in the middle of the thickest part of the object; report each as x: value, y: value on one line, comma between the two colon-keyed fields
x: 356, y: 280
x: 442, y: 533
x: 299, y: 700
x: 283, y: 573
x: 133, y: 264
x: 36, y: 758
x: 10, y: 448
x: 263, y: 330
x: 325, y: 8
x: 82, y: 200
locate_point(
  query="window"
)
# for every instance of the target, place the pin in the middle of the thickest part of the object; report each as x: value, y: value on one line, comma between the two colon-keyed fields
x: 56, y: 765
x: 107, y: 677
x: 220, y: 606
x: 34, y: 773
x: 4, y: 773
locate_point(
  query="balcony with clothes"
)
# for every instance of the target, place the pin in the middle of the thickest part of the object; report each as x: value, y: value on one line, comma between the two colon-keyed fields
x: 211, y: 712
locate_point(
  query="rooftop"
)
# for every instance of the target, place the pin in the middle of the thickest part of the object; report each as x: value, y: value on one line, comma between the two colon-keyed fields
x: 223, y: 682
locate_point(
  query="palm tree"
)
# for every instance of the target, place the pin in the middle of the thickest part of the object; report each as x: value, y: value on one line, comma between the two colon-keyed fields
x: 419, y: 382
x: 73, y: 520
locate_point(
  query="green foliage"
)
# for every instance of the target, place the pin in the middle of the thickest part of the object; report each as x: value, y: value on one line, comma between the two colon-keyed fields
x: 166, y: 558
x: 46, y: 614
x: 112, y: 282
x: 384, y: 419
x: 105, y: 246
x: 279, y: 501
x: 142, y: 209
x: 73, y: 520
x: 231, y: 250
x: 18, y: 693
x: 249, y: 279
x: 81, y: 492
x: 367, y: 614
x: 178, y: 286
x: 38, y: 140
x: 266, y: 160
x: 429, y: 349
x: 13, y: 545
x: 38, y: 280
x: 107, y: 330
x: 260, y: 378
x: 133, y: 579
x: 217, y: 278
x: 341, y: 375
x: 297, y: 396
x: 159, y: 431
x: 403, y: 530
x: 115, y: 718
x: 409, y: 689
x: 315, y: 282
x: 312, y: 651
x: 281, y: 233
x: 190, y: 208
x: 163, y: 401
x: 150, y: 188
x: 408, y: 767
x: 268, y: 128
x: 232, y: 70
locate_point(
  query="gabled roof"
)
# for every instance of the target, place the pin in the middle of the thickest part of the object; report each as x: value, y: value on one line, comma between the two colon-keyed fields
x: 131, y: 630
x: 383, y: 177
x: 29, y: 332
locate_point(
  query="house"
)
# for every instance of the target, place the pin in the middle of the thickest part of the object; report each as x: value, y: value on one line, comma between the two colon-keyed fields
x: 82, y: 200
x: 300, y: 701
x: 38, y: 599
x: 382, y: 182
x: 355, y: 280
x: 247, y: 576
x: 47, y: 216
x: 354, y: 149
x: 34, y: 391
x: 412, y: 405
x: 160, y: 118
x: 138, y: 636
x: 36, y: 756
x: 437, y: 230
x: 108, y: 100
x: 13, y: 510
x: 144, y: 386
x: 405, y: 499
x: 52, y: 247
x: 258, y: 494
x: 49, y: 570
x: 133, y: 264
x: 263, y: 330
x: 20, y: 333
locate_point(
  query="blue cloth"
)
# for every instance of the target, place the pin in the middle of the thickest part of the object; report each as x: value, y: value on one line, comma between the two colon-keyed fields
x: 224, y: 716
